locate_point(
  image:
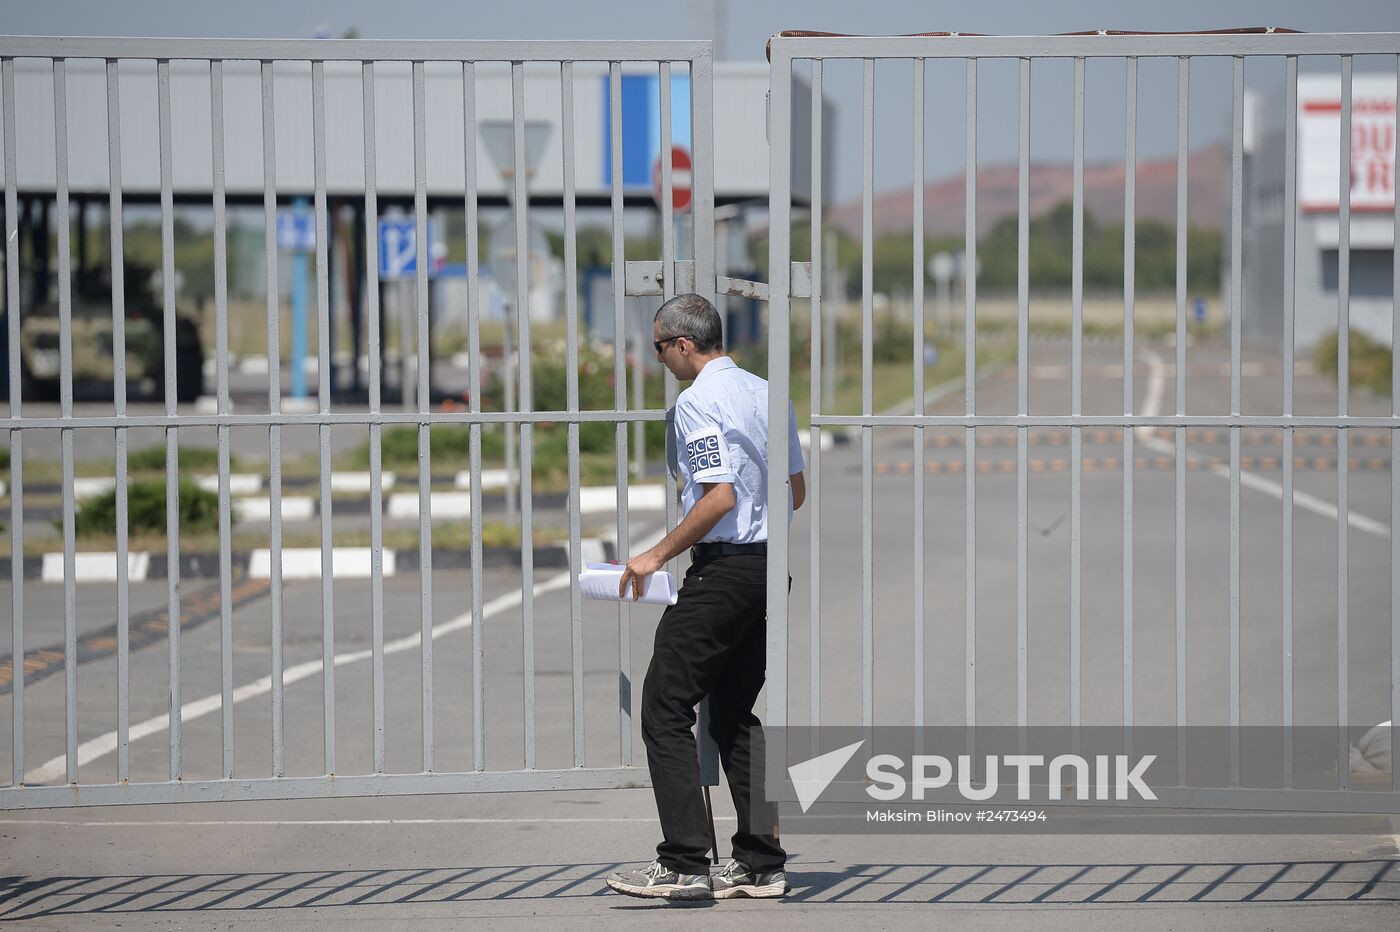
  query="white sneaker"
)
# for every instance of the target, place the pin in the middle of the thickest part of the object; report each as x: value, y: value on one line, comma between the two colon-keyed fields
x: 736, y: 879
x: 656, y: 880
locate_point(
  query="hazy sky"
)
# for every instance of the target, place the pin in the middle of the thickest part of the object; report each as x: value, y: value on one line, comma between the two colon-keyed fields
x: 745, y: 26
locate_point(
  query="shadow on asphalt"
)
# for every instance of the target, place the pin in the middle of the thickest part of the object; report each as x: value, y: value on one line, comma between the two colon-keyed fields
x: 1340, y: 881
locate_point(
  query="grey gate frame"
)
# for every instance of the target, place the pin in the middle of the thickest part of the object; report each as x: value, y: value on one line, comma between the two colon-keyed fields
x: 784, y: 51
x: 695, y: 55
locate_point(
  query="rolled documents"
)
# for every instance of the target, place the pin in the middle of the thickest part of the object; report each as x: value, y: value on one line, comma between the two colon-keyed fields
x: 602, y: 580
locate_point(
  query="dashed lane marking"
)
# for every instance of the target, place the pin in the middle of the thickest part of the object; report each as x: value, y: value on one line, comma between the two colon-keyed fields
x: 144, y: 629
x: 1140, y: 463
x: 1250, y: 437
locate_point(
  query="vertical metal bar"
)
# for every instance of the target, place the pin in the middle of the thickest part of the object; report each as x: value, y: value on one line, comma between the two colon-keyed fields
x: 1076, y: 367
x: 919, y: 478
x: 703, y: 248
x: 814, y: 675
x: 323, y: 392
x: 668, y: 288
x: 1394, y: 474
x: 114, y: 193
x: 172, y: 434
x: 527, y: 430
x: 469, y: 131
x: 624, y: 549
x: 703, y: 244
x: 1290, y: 256
x: 376, y: 426
x: 1343, y: 391
x: 780, y: 271
x: 425, y: 469
x: 566, y: 89
x: 216, y: 96
x: 668, y: 291
x: 668, y: 280
x: 1129, y: 283
x: 7, y: 88
x: 66, y: 407
x: 702, y: 120
x: 1236, y: 272
x: 970, y: 404
x: 70, y: 592
x: 1023, y: 341
x: 867, y: 397
x: 1183, y: 123
x: 274, y: 405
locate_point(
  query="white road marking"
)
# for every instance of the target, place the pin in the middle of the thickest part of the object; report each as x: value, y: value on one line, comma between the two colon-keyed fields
x: 103, y: 745
x: 1155, y: 384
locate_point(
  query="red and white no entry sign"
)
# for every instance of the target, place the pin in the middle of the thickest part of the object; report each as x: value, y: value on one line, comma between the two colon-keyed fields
x: 680, y: 179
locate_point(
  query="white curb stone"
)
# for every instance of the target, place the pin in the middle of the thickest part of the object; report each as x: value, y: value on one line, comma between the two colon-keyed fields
x: 96, y: 567
x: 592, y: 499
x: 440, y: 505
x: 88, y: 488
x: 360, y: 481
x: 305, y: 563
x: 239, y: 483
x: 490, y: 479
x: 259, y: 508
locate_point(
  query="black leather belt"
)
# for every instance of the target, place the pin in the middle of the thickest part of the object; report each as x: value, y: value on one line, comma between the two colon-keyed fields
x: 711, y: 549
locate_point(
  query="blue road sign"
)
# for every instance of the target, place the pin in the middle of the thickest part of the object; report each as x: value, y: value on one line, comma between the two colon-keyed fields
x: 296, y: 229
x: 398, y: 258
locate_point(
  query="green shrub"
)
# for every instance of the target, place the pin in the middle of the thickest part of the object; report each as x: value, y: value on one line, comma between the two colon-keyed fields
x: 199, y: 510
x: 450, y: 443
x: 1368, y: 361
x: 152, y: 459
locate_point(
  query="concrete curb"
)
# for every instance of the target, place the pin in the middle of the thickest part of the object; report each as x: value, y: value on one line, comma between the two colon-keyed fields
x: 297, y: 562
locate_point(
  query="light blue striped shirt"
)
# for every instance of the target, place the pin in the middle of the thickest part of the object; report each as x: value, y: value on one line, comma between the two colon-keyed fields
x: 719, y: 433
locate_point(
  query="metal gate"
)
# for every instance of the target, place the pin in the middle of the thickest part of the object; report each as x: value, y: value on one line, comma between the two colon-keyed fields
x: 792, y: 54
x: 262, y: 65
x: 789, y: 280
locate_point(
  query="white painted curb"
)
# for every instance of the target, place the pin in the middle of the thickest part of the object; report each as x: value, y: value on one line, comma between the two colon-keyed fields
x: 440, y: 505
x: 490, y: 479
x: 305, y: 563
x: 591, y: 550
x: 361, y: 481
x: 239, y: 483
x: 89, y: 488
x: 96, y: 567
x: 259, y: 508
x: 592, y: 499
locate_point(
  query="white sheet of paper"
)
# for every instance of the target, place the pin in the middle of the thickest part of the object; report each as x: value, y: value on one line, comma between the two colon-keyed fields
x: 601, y: 580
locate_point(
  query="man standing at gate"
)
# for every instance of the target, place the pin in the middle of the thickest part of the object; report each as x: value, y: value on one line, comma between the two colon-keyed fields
x: 712, y: 641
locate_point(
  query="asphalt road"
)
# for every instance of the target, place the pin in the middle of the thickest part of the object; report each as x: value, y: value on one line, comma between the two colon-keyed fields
x: 522, y: 858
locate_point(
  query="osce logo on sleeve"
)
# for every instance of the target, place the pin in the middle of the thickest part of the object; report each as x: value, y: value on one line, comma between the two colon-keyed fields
x: 706, y: 451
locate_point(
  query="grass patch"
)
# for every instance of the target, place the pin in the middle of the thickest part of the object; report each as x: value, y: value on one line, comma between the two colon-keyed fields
x: 146, y: 505
x: 446, y: 444
x: 1368, y: 361
x: 447, y: 535
x: 202, y: 459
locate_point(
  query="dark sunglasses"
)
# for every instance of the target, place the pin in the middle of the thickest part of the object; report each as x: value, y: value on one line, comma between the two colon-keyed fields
x: 658, y: 344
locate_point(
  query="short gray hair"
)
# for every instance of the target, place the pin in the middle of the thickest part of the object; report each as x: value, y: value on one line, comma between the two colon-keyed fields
x: 689, y: 315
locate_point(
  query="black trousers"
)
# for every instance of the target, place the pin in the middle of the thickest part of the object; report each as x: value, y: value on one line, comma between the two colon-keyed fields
x: 711, y: 642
